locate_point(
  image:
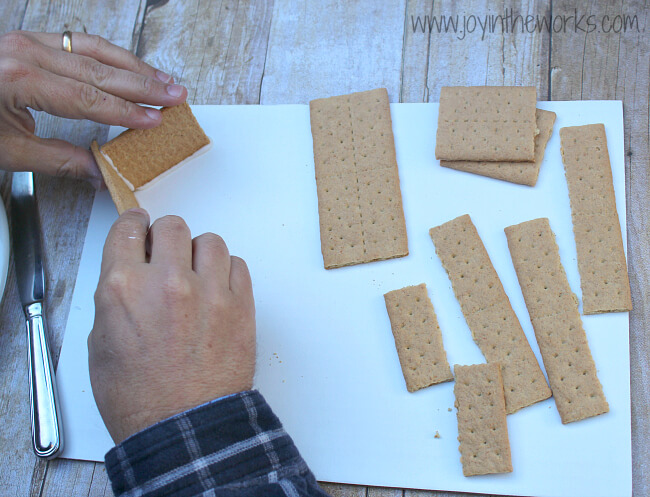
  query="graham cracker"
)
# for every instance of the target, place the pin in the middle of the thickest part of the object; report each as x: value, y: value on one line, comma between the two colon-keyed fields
x: 482, y: 425
x: 521, y: 173
x: 487, y: 123
x: 122, y: 196
x: 554, y: 314
x: 359, y: 197
x: 488, y: 312
x: 599, y: 243
x: 141, y: 155
x: 418, y: 339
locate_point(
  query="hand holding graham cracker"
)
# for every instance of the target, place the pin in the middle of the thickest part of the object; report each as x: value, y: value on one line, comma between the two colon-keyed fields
x: 137, y: 157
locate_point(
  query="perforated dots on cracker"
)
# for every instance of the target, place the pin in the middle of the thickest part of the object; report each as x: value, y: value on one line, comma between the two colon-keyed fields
x: 418, y: 339
x: 482, y: 425
x: 599, y: 243
x: 554, y: 314
x: 359, y: 197
x: 522, y: 173
x: 487, y: 123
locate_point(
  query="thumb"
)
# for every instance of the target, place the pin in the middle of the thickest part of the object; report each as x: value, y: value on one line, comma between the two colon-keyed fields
x: 49, y: 156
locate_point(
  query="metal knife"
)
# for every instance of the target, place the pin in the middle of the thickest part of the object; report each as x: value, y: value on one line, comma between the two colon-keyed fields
x: 47, y: 432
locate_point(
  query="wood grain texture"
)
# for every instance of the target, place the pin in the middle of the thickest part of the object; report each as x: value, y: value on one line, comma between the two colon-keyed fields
x: 216, y: 48
x: 443, y: 57
x: 289, y: 52
x: 327, y: 48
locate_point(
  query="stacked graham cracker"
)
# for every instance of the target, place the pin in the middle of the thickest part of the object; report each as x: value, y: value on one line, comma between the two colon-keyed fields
x: 493, y: 131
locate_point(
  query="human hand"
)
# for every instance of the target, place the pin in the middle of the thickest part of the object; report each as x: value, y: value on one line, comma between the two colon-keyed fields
x: 173, y: 330
x: 98, y: 81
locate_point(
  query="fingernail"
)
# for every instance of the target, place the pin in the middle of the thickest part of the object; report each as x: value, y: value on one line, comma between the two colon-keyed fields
x: 153, y: 114
x: 175, y: 90
x: 162, y: 76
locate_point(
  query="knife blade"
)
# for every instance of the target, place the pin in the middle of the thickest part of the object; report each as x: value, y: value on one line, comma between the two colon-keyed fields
x: 47, y: 432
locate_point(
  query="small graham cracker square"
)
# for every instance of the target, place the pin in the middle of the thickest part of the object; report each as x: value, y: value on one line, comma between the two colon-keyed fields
x: 487, y: 123
x: 418, y: 339
x: 599, y: 243
x: 359, y: 197
x: 137, y: 156
x: 522, y: 173
x: 554, y: 314
x: 487, y: 310
x: 482, y: 425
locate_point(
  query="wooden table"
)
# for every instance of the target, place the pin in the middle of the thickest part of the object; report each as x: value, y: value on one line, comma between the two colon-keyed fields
x: 290, y: 51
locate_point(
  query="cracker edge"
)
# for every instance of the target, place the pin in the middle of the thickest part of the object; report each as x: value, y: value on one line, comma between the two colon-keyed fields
x: 122, y: 196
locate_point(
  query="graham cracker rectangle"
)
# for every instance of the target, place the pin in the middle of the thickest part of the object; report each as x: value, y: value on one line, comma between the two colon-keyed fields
x: 487, y: 123
x: 522, y: 173
x: 141, y: 155
x: 599, y: 243
x: 418, y: 339
x: 482, y: 425
x: 487, y: 310
x: 359, y: 197
x: 122, y: 196
x: 558, y: 328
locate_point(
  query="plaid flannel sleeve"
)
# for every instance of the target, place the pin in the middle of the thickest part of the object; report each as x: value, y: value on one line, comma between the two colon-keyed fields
x: 234, y: 446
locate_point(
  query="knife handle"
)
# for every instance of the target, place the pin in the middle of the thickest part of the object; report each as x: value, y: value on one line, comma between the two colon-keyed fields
x: 46, y: 423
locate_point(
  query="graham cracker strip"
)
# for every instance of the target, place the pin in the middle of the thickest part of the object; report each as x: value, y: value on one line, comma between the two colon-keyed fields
x: 558, y: 328
x: 418, y: 339
x: 359, y: 197
x: 141, y: 155
x: 522, y: 173
x: 482, y: 426
x: 599, y: 243
x: 122, y: 196
x: 487, y: 310
x: 486, y: 123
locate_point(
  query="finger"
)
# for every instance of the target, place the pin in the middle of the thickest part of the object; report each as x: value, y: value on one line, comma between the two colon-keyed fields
x: 211, y: 260
x: 48, y: 156
x: 171, y: 242
x: 126, y: 239
x: 123, y: 83
x: 102, y: 50
x: 240, y: 278
x: 65, y: 97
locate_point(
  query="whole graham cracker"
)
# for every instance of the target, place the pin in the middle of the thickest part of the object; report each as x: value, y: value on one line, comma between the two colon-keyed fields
x: 418, y: 339
x: 482, y: 425
x: 487, y: 123
x: 522, y: 173
x: 599, y: 243
x: 359, y: 197
x: 487, y: 310
x: 554, y: 314
x: 122, y: 196
x: 141, y: 155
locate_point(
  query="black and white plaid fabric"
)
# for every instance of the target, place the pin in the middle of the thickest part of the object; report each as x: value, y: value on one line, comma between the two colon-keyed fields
x: 234, y: 446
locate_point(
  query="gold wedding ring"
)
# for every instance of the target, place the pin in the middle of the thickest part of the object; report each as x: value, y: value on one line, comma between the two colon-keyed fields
x: 67, y: 41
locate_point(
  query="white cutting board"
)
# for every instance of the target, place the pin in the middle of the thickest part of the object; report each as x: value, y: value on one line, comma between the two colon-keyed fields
x: 326, y: 360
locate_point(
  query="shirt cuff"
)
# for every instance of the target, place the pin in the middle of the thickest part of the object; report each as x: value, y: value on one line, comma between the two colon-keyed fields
x: 235, y: 440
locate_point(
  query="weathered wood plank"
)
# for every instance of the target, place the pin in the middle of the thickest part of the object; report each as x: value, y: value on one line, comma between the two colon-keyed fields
x: 320, y: 49
x: 216, y: 48
x: 600, y: 65
x: 12, y: 15
x: 64, y: 209
x: 454, y: 49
